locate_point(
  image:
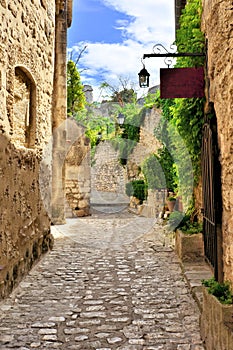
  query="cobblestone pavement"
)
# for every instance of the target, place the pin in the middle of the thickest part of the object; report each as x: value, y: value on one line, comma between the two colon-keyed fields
x: 97, y: 291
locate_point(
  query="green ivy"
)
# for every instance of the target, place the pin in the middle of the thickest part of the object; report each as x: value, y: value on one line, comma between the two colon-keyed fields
x: 137, y: 188
x: 188, y: 119
x: 152, y: 100
x: 159, y: 170
x: 188, y: 114
x: 180, y: 128
x: 130, y: 131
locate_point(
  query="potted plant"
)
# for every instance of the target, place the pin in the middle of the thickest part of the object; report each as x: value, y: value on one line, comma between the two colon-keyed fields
x: 217, y: 315
x: 171, y: 201
x: 188, y: 236
x: 221, y: 291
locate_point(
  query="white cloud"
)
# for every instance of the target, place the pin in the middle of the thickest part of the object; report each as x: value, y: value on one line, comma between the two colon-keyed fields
x: 150, y: 22
x: 150, y: 18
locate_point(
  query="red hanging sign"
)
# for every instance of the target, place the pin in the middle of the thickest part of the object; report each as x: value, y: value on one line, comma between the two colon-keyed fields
x: 181, y: 82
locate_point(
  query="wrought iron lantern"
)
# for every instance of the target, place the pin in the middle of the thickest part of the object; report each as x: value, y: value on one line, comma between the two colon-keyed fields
x: 99, y: 137
x: 160, y: 51
x: 144, y: 77
x: 120, y: 118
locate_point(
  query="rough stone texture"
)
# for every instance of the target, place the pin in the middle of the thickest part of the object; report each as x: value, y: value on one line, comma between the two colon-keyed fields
x: 88, y: 91
x: 102, y: 287
x: 217, y: 26
x: 154, y: 203
x: 24, y: 224
x: 108, y: 175
x: 27, y: 54
x: 189, y: 246
x: 147, y: 144
x: 77, y: 173
x: 216, y: 323
x: 59, y: 108
x: 27, y: 46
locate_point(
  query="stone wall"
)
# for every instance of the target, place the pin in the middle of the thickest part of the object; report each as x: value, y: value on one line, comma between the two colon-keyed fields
x: 24, y: 223
x: 63, y: 18
x: 27, y: 57
x: 26, y: 70
x: 217, y: 26
x: 154, y: 203
x: 108, y: 175
x: 147, y: 144
x: 78, y: 174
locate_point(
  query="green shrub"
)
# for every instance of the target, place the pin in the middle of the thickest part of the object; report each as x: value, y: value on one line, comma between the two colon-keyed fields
x: 130, y: 130
x: 220, y: 290
x: 174, y: 219
x: 158, y: 170
x: 178, y: 220
x: 138, y: 189
x: 171, y: 199
x: 191, y: 227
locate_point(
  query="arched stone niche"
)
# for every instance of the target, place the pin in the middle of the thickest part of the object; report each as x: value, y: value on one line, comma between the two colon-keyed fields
x: 24, y: 108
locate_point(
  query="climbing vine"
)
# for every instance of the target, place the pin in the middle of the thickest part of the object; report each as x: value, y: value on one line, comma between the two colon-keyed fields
x: 129, y: 133
x: 186, y: 115
x: 159, y: 170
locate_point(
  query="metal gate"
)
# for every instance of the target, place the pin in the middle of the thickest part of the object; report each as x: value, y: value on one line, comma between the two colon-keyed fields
x: 211, y: 184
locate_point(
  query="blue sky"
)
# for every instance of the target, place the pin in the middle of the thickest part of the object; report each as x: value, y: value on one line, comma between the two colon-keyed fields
x: 117, y: 33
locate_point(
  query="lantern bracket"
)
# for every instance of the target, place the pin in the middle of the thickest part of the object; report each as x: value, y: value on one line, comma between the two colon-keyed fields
x: 160, y: 51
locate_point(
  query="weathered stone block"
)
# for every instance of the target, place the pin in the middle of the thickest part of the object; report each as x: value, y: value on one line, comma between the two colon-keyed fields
x: 3, y: 3
x: 82, y: 212
x: 216, y: 323
x: 83, y: 204
x: 189, y: 246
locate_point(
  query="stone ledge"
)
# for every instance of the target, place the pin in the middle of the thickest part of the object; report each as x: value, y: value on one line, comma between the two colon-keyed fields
x: 189, y: 246
x: 190, y: 250
x: 194, y: 273
x: 216, y: 323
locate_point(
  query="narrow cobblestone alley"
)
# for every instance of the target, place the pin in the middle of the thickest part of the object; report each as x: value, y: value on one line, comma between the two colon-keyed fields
x: 105, y: 286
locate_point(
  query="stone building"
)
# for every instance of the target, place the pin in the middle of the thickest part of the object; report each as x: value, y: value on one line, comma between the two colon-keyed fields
x: 32, y: 104
x: 217, y: 25
x: 217, y: 162
x: 217, y: 19
x: 217, y: 22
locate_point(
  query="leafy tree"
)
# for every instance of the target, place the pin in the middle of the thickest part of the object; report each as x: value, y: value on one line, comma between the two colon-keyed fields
x: 99, y: 128
x: 75, y: 96
x: 122, y: 93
